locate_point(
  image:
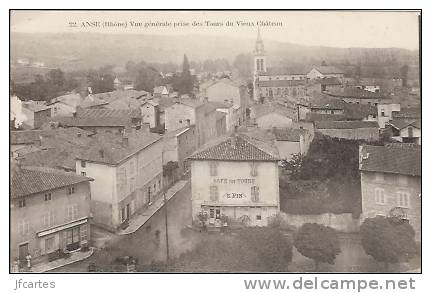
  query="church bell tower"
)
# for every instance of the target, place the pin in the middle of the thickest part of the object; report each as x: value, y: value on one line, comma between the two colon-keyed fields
x: 259, y: 64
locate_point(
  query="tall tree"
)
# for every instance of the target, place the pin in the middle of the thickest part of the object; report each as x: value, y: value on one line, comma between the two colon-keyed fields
x: 388, y: 240
x: 185, y: 82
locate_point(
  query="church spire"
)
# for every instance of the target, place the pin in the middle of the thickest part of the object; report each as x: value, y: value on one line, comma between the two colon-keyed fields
x: 259, y: 48
x: 259, y: 38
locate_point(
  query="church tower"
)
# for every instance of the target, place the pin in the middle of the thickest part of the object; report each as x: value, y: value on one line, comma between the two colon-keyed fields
x: 259, y: 64
x: 259, y: 54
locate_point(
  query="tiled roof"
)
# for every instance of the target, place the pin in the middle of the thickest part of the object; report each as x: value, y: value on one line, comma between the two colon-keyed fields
x: 25, y: 136
x: 283, y: 71
x: 110, y: 148
x: 35, y: 107
x: 91, y: 101
x: 328, y: 69
x: 164, y: 102
x: 313, y: 117
x: 227, y: 81
x: 58, y: 148
x: 288, y: 134
x: 402, y: 123
x: 178, y: 131
x: 396, y: 158
x: 280, y: 83
x: 240, y: 149
x: 324, y: 102
x: 354, y: 92
x: 359, y: 111
x: 92, y: 121
x: 121, y: 95
x: 260, y: 110
x: 31, y: 180
x: 72, y: 100
x: 108, y: 113
x: 411, y: 112
x: 328, y: 81
x: 345, y: 124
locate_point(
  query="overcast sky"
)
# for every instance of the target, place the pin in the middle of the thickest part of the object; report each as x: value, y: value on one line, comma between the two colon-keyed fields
x: 321, y: 28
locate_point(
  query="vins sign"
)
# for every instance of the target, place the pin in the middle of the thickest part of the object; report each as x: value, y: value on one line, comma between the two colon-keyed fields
x: 235, y: 195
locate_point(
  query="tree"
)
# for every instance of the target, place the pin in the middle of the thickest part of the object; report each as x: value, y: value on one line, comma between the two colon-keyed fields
x: 293, y: 165
x: 388, y: 240
x: 185, y: 82
x: 147, y: 79
x: 317, y: 242
x: 101, y: 80
x: 273, y: 248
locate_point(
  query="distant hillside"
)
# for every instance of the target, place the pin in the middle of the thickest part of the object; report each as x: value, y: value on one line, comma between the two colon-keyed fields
x: 73, y: 51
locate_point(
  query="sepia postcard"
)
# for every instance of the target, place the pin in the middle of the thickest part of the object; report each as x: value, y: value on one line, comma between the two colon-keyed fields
x: 210, y: 141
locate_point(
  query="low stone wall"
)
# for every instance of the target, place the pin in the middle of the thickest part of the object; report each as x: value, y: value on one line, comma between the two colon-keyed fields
x: 341, y: 222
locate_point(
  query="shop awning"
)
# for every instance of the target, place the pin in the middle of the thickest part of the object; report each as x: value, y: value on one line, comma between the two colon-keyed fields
x: 63, y: 227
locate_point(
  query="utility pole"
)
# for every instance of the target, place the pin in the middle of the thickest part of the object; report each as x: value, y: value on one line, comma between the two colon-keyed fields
x: 166, y: 226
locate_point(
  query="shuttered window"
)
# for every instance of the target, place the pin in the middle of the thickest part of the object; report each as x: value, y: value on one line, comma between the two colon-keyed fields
x: 255, y: 193
x: 213, y: 193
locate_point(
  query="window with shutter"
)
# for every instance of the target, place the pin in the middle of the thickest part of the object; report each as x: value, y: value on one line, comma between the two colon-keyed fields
x: 213, y: 193
x: 255, y: 193
x: 403, y: 199
x: 379, y: 196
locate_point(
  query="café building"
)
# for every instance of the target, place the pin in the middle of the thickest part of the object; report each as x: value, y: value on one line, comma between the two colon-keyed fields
x: 235, y: 178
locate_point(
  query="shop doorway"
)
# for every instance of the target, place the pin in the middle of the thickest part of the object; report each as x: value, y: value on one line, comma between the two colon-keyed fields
x: 72, y: 239
x: 23, y: 252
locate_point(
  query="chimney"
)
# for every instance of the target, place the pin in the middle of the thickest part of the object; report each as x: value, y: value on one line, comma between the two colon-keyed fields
x: 125, y: 141
x: 102, y: 153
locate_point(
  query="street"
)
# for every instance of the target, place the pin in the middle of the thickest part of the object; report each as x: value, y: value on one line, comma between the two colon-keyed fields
x: 148, y: 243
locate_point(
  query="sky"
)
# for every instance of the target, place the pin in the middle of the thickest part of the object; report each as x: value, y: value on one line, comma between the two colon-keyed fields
x: 371, y: 29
